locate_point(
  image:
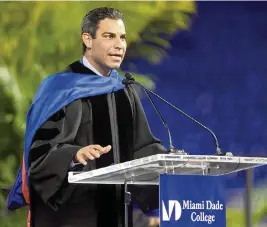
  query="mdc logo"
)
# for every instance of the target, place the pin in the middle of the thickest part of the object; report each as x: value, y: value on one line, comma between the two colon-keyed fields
x: 173, y: 205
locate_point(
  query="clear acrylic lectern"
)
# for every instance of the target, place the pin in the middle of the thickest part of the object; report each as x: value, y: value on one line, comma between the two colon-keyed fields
x: 146, y: 170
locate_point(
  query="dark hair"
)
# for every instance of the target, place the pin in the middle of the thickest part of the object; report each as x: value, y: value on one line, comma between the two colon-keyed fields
x: 92, y: 18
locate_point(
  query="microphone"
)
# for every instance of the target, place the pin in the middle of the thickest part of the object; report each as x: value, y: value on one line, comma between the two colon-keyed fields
x: 130, y: 80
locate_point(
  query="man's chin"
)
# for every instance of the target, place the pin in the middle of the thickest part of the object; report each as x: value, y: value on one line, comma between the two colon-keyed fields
x: 114, y: 66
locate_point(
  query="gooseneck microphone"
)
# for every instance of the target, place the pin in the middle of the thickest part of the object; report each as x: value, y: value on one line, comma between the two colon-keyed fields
x: 127, y: 81
x: 130, y: 80
x: 171, y: 147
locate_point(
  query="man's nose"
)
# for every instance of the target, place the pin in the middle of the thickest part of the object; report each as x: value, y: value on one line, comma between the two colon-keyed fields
x: 119, y: 44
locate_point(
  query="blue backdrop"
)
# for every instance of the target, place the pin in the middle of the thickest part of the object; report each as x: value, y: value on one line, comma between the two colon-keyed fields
x: 217, y: 72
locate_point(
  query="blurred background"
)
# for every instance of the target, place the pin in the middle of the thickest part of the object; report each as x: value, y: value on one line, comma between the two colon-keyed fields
x: 208, y: 58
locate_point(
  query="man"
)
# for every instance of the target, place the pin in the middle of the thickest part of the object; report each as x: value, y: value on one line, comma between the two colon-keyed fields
x: 80, y: 120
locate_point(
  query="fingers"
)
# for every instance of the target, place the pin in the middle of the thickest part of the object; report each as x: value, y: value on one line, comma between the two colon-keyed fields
x: 106, y: 149
x: 84, y: 154
x: 100, y: 150
x: 96, y: 147
x: 81, y: 159
x: 90, y: 153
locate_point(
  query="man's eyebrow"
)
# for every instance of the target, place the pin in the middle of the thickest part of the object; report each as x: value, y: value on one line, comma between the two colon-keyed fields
x: 111, y: 33
x: 108, y: 33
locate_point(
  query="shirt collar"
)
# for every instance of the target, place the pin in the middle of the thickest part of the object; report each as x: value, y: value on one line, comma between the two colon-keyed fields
x: 87, y: 64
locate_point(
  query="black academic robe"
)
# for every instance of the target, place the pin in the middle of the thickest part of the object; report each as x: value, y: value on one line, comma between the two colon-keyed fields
x: 115, y: 119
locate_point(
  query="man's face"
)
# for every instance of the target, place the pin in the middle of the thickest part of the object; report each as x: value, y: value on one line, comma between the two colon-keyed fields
x: 108, y: 49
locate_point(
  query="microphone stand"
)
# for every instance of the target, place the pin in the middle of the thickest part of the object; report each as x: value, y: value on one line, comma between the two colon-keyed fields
x: 130, y: 80
x: 171, y: 147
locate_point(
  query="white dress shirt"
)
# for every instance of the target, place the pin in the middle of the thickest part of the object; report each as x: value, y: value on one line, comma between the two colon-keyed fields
x: 87, y: 64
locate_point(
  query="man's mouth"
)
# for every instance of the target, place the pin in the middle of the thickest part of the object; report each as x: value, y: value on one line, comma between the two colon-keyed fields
x: 116, y: 56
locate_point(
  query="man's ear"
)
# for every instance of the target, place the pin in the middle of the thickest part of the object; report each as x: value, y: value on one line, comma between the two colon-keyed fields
x: 87, y: 40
